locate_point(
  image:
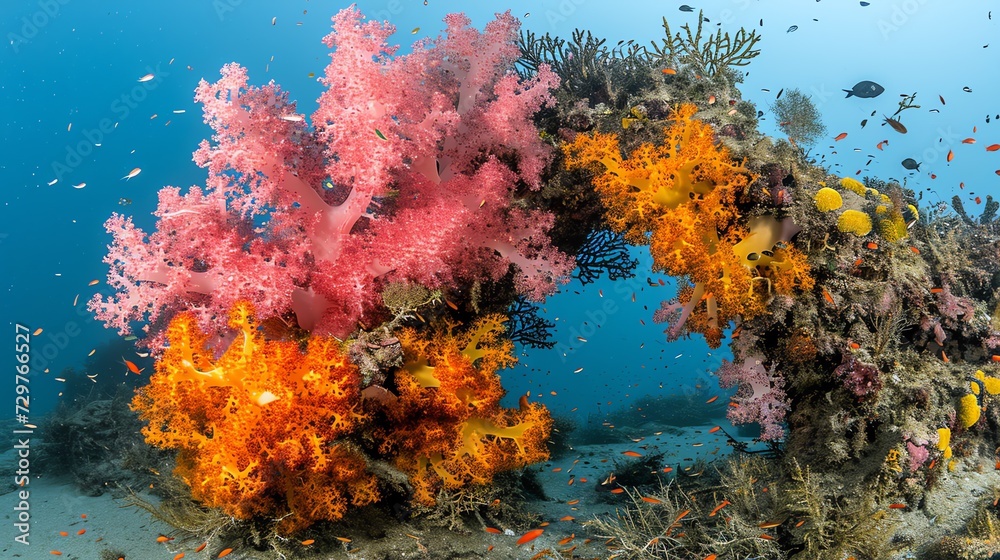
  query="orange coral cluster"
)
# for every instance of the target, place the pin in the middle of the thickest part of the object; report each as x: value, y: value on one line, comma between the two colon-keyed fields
x: 681, y: 197
x: 257, y: 430
x: 447, y: 426
x: 267, y: 430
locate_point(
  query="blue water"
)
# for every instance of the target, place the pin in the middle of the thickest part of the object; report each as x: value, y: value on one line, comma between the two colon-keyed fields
x: 77, y: 63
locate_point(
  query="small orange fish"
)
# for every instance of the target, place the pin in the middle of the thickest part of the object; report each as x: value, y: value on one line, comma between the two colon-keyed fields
x: 993, y: 147
x: 710, y: 557
x: 969, y: 141
x: 63, y: 534
x: 897, y: 506
x: 950, y: 156
x: 573, y: 502
x: 937, y: 290
x: 132, y: 367
x: 711, y: 100
x: 55, y: 553
x: 713, y: 399
x: 225, y: 552
x: 933, y: 176
x: 493, y: 531
x: 769, y: 524
x: 567, y: 518
x: 617, y: 491
x: 201, y: 547
x: 681, y: 515
x: 800, y: 523
x: 81, y: 531
x: 163, y: 539
x: 944, y: 357
x: 914, y: 250
x: 344, y: 539
x: 450, y: 304
x: 828, y: 297
x: 995, y: 358
x: 721, y: 505
x: 308, y: 542
x: 650, y: 500
x: 530, y: 536
x: 931, y: 466
x: 631, y: 454
x: 872, y: 245
x: 669, y: 71
x: 880, y: 145
x: 766, y: 537
x: 854, y: 345
x: 979, y: 200
x: 567, y: 540
x: 840, y: 137
x: 715, y: 429
x: 668, y: 469
x: 178, y: 556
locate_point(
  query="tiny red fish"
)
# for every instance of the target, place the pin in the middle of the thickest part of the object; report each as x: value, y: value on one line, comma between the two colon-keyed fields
x: 840, y: 137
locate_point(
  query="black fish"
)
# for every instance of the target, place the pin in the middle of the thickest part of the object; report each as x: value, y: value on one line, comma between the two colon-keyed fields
x: 864, y: 122
x: 967, y: 89
x: 686, y: 8
x: 792, y: 28
x: 911, y: 164
x: 865, y: 89
x: 782, y: 90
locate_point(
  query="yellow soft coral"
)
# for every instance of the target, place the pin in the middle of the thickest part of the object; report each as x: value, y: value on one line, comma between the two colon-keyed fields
x: 680, y: 197
x: 257, y: 430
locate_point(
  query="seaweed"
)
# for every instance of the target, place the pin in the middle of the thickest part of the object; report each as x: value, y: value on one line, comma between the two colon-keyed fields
x: 707, y: 56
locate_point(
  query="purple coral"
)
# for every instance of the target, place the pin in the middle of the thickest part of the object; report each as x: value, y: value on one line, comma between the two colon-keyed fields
x: 860, y: 378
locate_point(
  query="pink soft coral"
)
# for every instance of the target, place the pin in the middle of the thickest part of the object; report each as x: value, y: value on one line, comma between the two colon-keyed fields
x: 760, y: 397
x: 410, y: 173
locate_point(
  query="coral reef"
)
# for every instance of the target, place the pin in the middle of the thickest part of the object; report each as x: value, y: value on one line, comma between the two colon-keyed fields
x: 258, y: 430
x: 395, y: 181
x: 446, y: 428
x: 680, y: 198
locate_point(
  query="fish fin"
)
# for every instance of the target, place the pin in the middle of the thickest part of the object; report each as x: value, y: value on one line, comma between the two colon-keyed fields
x: 849, y: 93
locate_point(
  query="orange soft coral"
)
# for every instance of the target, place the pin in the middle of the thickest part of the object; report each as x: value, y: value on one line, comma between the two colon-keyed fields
x: 257, y: 430
x: 447, y: 427
x: 681, y: 198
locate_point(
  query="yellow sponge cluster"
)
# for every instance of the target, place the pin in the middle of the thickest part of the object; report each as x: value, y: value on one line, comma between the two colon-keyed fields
x: 944, y: 445
x: 968, y: 406
x: 827, y: 199
x: 856, y: 222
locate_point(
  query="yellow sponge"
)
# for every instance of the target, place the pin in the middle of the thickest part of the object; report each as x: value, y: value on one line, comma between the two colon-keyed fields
x: 968, y: 411
x: 856, y: 222
x: 827, y: 199
x: 853, y: 185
